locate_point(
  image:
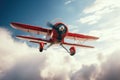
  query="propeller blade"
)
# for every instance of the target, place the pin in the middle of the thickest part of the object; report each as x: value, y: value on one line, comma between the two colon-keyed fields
x: 50, y: 25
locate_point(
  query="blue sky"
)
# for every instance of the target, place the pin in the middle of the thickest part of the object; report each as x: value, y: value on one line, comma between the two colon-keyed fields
x: 40, y: 11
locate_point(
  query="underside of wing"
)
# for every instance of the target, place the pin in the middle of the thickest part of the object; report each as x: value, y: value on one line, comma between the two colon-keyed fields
x: 33, y: 39
x: 29, y: 28
x: 80, y: 37
x: 78, y: 45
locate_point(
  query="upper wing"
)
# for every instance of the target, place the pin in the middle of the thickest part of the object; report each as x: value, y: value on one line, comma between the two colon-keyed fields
x: 79, y: 45
x: 80, y: 36
x: 29, y: 28
x: 33, y: 39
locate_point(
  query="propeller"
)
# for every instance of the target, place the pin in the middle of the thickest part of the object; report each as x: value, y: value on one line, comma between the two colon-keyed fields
x: 49, y: 24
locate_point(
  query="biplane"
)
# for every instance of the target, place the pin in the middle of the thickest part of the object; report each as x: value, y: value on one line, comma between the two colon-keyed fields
x: 56, y: 34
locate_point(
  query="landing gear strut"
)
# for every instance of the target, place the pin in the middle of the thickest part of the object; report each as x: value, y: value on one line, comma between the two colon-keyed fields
x: 72, y: 50
x: 42, y: 46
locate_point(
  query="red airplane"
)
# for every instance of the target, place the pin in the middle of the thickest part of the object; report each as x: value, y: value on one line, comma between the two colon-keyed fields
x: 56, y: 35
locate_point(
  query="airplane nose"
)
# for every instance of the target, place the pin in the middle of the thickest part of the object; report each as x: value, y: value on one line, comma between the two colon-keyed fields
x: 61, y: 28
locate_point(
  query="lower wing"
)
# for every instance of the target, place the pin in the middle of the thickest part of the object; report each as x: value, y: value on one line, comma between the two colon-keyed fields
x: 79, y: 45
x: 33, y: 39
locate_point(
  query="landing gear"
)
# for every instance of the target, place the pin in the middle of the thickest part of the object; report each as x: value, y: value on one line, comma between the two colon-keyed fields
x: 72, y: 50
x: 41, y: 49
x: 72, y: 54
x: 41, y: 46
x: 48, y: 46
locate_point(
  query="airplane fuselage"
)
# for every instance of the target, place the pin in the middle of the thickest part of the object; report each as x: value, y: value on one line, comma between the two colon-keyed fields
x: 59, y: 32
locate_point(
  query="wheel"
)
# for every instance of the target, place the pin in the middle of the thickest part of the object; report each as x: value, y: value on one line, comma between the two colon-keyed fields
x: 72, y: 54
x: 72, y: 51
x: 41, y: 49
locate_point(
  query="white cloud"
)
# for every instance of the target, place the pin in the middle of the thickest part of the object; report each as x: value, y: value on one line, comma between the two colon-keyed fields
x: 68, y: 2
x: 99, y: 10
x: 18, y: 60
x: 109, y: 69
x: 73, y: 28
x: 92, y: 19
x: 10, y: 50
x: 100, y: 5
x: 108, y: 28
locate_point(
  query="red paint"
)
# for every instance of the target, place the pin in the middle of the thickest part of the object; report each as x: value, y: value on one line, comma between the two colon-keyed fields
x: 55, y: 35
x: 41, y: 45
x: 75, y: 35
x: 79, y: 45
x: 29, y: 27
x: 72, y: 50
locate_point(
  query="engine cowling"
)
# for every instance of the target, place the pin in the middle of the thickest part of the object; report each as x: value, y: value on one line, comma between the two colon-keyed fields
x: 72, y: 51
x: 41, y: 44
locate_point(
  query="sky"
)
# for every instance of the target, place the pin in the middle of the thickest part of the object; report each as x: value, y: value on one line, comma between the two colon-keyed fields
x: 20, y: 61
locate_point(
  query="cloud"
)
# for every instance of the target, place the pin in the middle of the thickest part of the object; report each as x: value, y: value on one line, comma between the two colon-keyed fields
x: 99, y: 10
x: 68, y: 2
x: 21, y: 62
x: 14, y: 56
x: 85, y: 73
x: 73, y: 28
x: 108, y: 70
